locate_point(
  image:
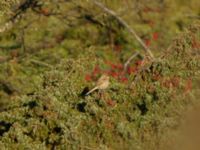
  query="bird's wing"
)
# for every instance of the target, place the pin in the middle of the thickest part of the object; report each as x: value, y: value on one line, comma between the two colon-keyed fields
x: 101, y: 81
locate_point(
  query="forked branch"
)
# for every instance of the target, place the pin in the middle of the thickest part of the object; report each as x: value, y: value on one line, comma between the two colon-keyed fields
x: 123, y: 23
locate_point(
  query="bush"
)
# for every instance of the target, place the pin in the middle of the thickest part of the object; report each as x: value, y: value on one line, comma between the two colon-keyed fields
x: 138, y: 116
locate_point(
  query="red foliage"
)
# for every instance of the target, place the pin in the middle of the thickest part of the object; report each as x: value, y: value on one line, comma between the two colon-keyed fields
x: 96, y: 70
x: 195, y: 43
x: 45, y: 11
x: 172, y: 82
x: 116, y: 66
x: 116, y: 70
x: 113, y: 74
x: 113, y: 66
x: 166, y: 83
x: 139, y: 62
x: 120, y: 66
x: 148, y: 42
x: 156, y: 77
x: 188, y: 86
x: 155, y: 36
x: 175, y: 81
x: 111, y: 103
x: 131, y: 69
x: 88, y: 77
x: 14, y: 53
x: 124, y: 79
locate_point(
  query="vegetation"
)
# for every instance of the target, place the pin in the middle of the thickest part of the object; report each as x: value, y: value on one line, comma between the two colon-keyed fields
x: 54, y: 51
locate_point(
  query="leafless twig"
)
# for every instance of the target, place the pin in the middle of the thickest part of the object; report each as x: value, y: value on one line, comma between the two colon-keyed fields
x: 41, y: 63
x: 193, y: 16
x: 129, y: 60
x: 122, y: 22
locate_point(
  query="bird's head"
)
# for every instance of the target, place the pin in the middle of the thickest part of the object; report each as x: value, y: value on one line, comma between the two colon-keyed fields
x: 105, y: 77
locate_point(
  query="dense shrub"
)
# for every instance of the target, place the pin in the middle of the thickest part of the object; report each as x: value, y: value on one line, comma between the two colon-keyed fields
x: 127, y: 116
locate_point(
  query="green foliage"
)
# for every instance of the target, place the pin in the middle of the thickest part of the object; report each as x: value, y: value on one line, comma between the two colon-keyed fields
x: 56, y: 116
x: 46, y: 54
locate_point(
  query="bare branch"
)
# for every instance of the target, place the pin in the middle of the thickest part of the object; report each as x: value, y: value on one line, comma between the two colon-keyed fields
x: 122, y: 22
x: 129, y: 60
x: 19, y: 12
x: 37, y: 62
x: 193, y: 16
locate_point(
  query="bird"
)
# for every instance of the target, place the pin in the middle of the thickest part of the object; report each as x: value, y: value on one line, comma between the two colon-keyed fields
x: 101, y: 84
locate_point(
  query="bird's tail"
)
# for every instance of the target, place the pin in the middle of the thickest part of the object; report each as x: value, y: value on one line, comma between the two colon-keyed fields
x: 95, y: 88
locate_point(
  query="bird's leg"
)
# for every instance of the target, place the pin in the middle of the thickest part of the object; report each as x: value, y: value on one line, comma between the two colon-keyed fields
x: 102, y: 94
x: 99, y: 93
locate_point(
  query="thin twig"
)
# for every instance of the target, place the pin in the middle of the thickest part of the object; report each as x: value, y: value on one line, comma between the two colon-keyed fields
x: 129, y: 60
x: 41, y: 63
x: 193, y: 16
x: 122, y: 22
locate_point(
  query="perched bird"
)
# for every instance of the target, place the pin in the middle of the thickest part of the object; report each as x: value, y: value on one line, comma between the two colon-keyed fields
x: 102, y: 83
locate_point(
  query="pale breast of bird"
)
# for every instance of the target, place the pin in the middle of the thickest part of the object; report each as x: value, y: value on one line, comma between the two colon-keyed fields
x: 103, y: 82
